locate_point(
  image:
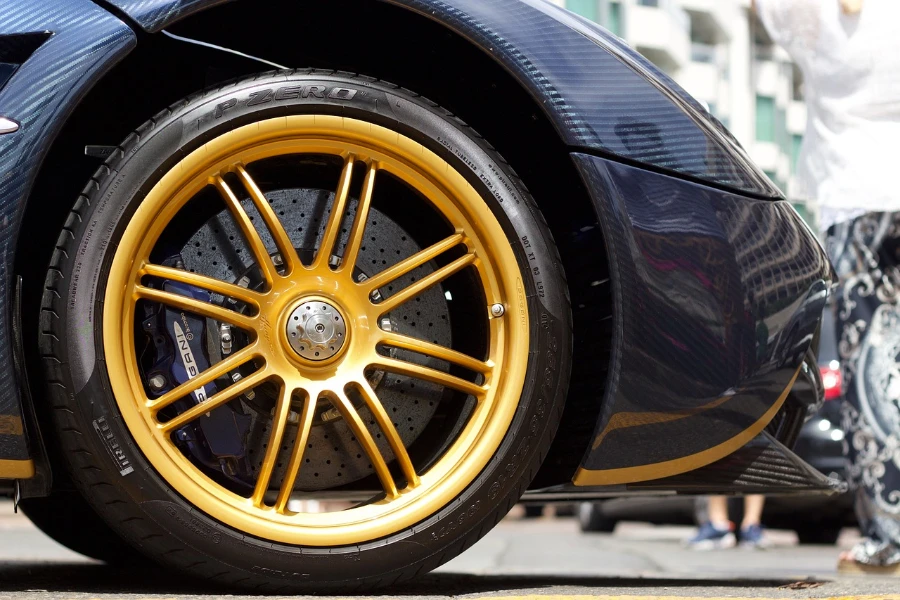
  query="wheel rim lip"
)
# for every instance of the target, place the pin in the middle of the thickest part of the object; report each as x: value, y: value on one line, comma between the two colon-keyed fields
x: 481, y: 437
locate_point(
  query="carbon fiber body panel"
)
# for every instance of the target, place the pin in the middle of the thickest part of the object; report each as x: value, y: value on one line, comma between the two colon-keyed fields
x: 764, y: 466
x: 154, y: 15
x: 721, y: 294
x: 718, y: 291
x: 40, y: 94
x: 599, y: 93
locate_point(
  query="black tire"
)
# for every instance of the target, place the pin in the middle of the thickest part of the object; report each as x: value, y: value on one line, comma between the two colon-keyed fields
x: 818, y: 534
x: 534, y: 511
x: 119, y: 482
x: 592, y: 519
x: 69, y: 520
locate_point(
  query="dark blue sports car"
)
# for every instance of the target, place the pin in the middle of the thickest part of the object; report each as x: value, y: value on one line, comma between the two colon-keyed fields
x: 306, y: 295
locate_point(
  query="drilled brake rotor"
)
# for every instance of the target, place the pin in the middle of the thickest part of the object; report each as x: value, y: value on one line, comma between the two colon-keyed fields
x: 334, y: 457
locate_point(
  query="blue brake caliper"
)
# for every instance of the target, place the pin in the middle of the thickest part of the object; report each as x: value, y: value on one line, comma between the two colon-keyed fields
x: 216, y: 439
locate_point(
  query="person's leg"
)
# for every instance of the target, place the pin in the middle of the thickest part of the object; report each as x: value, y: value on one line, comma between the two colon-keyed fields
x: 752, y: 535
x: 753, y: 509
x: 865, y: 253
x: 718, y: 512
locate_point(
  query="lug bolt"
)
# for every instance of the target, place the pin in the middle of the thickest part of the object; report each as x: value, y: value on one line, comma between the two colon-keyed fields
x: 277, y: 260
x: 332, y: 414
x: 386, y: 324
x: 235, y: 377
x: 497, y: 310
x: 157, y: 382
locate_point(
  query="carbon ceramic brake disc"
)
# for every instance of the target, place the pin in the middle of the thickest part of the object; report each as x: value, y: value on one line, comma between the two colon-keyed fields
x: 334, y: 457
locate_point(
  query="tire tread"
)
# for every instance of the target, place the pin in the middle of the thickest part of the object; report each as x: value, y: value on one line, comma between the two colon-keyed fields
x: 104, y: 495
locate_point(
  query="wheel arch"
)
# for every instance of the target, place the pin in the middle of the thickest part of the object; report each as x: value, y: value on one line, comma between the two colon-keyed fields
x: 471, y: 84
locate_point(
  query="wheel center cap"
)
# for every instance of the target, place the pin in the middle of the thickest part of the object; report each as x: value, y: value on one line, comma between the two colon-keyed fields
x: 316, y: 330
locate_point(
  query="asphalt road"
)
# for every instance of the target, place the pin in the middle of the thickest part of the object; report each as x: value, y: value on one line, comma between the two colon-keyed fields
x: 544, y: 557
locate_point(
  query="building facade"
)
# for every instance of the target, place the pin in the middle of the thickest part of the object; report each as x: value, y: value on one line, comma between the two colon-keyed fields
x: 720, y: 53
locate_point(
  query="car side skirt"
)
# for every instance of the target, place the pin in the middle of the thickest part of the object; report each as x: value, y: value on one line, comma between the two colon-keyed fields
x: 762, y: 466
x: 679, y: 465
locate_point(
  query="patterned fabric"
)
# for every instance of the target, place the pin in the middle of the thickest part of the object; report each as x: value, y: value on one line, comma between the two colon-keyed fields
x: 866, y: 253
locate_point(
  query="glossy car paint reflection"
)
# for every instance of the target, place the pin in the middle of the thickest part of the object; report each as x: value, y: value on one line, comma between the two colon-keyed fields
x: 598, y: 92
x: 716, y: 292
x: 86, y: 42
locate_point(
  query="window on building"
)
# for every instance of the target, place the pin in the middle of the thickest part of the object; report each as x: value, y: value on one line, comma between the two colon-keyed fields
x: 585, y: 8
x: 765, y: 118
x: 615, y: 18
x: 648, y: 2
x: 781, y: 132
x: 796, y: 143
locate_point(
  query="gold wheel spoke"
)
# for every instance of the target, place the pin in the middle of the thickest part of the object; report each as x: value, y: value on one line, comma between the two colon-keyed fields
x: 307, y: 332
x: 343, y: 404
x: 208, y: 283
x: 400, y: 367
x: 425, y: 283
x: 413, y: 262
x: 219, y: 369
x: 276, y: 437
x: 351, y: 253
x: 282, y: 240
x: 403, y: 342
x: 223, y: 397
x: 333, y: 227
x: 390, y: 432
x: 192, y: 305
x: 257, y: 247
x: 290, y: 478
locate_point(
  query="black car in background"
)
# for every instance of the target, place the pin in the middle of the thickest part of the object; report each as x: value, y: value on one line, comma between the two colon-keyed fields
x: 815, y: 519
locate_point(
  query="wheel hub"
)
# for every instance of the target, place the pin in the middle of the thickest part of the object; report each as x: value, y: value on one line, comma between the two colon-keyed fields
x: 316, y: 330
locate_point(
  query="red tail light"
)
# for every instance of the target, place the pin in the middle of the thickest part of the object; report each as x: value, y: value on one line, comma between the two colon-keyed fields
x: 831, y: 378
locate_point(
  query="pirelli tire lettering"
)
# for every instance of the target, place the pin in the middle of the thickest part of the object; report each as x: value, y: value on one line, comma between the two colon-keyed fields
x: 287, y: 92
x: 460, y: 180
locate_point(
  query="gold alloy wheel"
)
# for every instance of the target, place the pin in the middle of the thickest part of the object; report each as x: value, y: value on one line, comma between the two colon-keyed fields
x: 344, y: 306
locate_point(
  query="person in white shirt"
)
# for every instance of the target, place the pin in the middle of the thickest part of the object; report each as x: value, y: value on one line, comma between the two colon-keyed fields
x: 849, y: 53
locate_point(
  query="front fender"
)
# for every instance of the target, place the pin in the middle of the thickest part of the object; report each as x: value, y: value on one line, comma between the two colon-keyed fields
x: 598, y: 93
x: 82, y: 43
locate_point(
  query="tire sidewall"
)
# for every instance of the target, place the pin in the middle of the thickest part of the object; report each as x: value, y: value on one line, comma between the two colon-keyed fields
x: 134, y: 171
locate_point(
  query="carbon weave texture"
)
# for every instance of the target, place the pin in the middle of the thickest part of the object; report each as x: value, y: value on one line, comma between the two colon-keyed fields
x: 763, y: 465
x: 719, y: 293
x: 581, y: 77
x: 86, y: 40
x: 153, y: 15
x: 595, y: 99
